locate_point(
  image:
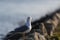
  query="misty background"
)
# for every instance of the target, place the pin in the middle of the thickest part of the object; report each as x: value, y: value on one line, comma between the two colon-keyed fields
x: 14, y: 11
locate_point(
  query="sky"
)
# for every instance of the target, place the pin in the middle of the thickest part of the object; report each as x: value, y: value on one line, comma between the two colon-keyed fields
x: 14, y: 11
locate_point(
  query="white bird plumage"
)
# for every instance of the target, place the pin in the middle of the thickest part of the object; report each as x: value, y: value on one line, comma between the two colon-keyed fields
x: 28, y: 24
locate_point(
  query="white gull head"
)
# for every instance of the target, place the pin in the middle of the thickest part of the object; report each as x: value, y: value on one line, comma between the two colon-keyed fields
x: 28, y: 22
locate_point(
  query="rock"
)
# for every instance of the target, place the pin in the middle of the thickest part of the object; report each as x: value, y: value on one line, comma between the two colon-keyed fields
x: 29, y: 36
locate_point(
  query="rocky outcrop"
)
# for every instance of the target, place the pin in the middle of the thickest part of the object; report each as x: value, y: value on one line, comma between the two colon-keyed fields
x: 41, y: 28
x: 30, y: 36
x: 38, y: 34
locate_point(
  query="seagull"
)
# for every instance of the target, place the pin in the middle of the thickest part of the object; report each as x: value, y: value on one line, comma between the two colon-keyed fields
x: 26, y: 28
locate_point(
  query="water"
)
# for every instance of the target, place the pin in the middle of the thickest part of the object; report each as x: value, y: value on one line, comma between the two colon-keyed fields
x: 14, y: 11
